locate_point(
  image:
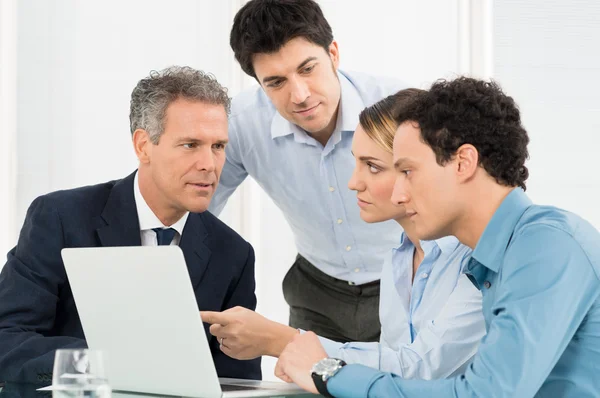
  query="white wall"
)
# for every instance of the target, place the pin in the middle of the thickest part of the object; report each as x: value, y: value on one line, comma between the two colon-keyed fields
x: 546, y: 56
x: 78, y: 62
x: 8, y: 124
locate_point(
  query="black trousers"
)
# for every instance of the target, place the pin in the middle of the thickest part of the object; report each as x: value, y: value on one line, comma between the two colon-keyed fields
x: 331, y: 307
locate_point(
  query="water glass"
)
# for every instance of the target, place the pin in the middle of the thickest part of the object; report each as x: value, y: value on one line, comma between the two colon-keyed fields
x: 79, y: 373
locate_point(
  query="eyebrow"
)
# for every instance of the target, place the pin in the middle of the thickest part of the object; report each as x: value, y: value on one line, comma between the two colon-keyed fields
x: 368, y: 158
x: 196, y: 141
x: 400, y: 162
x: 302, y: 65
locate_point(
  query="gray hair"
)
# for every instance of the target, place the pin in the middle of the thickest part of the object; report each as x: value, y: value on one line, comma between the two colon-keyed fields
x: 152, y: 95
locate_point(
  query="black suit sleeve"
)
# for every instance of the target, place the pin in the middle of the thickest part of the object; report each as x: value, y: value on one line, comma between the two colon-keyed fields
x: 240, y: 294
x: 30, y: 285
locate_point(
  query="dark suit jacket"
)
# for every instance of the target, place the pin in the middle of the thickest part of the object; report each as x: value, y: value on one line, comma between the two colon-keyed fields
x: 37, y: 309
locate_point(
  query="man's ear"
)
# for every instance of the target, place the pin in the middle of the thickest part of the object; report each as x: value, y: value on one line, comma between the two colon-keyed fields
x: 467, y: 162
x: 142, y: 145
x: 334, y: 54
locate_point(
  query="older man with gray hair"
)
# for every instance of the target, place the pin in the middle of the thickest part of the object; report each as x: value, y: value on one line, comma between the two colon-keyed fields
x: 178, y: 123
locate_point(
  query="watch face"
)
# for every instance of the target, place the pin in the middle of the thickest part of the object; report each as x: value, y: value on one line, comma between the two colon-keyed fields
x: 326, y: 366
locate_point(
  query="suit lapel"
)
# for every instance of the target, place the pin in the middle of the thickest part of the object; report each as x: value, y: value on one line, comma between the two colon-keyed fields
x: 193, y: 243
x: 120, y: 215
x: 123, y: 229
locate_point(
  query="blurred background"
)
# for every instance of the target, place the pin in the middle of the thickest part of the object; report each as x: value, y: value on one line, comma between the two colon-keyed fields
x: 67, y: 69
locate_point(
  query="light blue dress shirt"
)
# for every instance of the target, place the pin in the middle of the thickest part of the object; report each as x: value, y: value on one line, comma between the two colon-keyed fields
x: 430, y: 328
x: 538, y: 268
x: 307, y: 181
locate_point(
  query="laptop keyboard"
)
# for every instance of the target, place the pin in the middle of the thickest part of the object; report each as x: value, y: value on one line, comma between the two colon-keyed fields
x: 233, y: 387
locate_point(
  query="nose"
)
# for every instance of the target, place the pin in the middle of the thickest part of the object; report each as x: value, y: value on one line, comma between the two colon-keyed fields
x: 205, y: 159
x: 300, y: 91
x: 399, y: 194
x: 355, y: 183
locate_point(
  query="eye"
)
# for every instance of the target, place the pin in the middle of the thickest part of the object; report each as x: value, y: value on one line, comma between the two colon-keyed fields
x: 219, y: 147
x: 406, y: 172
x: 275, y: 84
x: 190, y: 145
x: 373, y: 169
x: 308, y: 69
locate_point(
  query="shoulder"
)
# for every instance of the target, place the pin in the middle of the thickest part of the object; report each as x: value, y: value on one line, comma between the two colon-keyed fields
x: 73, y: 200
x: 251, y: 117
x: 223, y: 235
x: 373, y: 88
x: 556, y: 238
x: 248, y: 103
x: 556, y: 224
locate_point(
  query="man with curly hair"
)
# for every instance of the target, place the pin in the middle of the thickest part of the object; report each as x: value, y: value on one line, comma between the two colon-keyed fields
x: 460, y: 156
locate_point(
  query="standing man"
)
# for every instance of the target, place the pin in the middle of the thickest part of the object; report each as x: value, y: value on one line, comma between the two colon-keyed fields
x: 293, y: 135
x: 179, y: 131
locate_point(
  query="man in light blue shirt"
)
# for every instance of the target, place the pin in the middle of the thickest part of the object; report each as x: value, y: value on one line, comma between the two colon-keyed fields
x: 293, y: 134
x: 460, y: 155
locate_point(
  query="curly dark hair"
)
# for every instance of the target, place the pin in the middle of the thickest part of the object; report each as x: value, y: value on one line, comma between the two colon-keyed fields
x: 264, y: 26
x: 471, y: 111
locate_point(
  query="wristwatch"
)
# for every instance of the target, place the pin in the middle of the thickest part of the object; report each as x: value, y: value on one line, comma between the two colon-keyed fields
x: 322, y: 371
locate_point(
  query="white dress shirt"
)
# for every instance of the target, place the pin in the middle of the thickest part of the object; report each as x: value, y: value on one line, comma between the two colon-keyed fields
x: 430, y: 327
x: 148, y: 219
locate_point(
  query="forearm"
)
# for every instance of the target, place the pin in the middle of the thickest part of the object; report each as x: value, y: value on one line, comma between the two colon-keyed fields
x: 368, y: 354
x: 25, y: 356
x: 355, y: 381
x: 277, y: 336
x: 410, y: 361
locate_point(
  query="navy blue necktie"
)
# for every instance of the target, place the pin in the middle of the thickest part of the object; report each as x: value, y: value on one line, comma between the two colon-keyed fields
x: 164, y: 236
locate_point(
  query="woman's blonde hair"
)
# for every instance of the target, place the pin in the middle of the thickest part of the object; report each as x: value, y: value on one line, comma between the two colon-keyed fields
x: 378, y: 120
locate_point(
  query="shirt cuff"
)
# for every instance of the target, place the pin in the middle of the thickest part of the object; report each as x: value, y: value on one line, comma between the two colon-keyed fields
x: 332, y: 348
x: 352, y: 381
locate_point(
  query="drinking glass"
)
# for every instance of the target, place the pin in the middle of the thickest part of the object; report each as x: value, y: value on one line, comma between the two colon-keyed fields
x: 79, y: 373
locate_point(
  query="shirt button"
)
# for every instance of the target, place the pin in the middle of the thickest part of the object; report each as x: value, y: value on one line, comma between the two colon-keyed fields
x: 339, y: 221
x: 331, y: 189
x: 351, y: 283
x: 487, y: 284
x: 348, y: 248
x: 356, y: 269
x: 424, y: 275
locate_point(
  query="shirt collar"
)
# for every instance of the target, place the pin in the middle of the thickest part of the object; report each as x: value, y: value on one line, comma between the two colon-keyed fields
x: 351, y: 104
x: 493, y: 242
x: 446, y: 244
x: 146, y: 216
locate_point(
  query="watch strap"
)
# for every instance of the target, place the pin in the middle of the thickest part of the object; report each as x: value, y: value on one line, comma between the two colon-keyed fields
x: 321, y: 384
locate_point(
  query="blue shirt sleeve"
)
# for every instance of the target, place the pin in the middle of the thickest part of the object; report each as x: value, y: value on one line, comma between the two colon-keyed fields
x: 546, y: 287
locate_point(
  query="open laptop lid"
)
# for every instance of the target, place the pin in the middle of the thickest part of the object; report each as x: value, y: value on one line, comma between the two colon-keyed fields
x: 137, y: 305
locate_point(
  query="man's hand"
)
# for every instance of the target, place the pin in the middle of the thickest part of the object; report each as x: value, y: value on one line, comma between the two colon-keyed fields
x: 245, y: 334
x: 297, y: 359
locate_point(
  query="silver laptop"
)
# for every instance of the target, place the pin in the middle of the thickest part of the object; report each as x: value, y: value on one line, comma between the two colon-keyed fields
x: 137, y: 305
